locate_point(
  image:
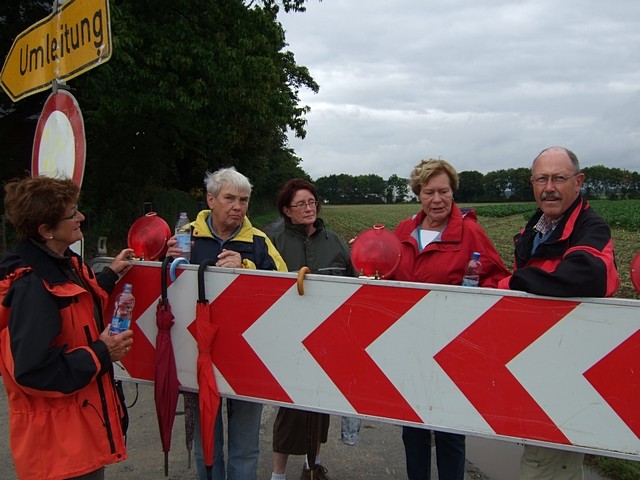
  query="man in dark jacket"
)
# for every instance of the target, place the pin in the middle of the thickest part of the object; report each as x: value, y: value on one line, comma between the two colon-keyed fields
x: 565, y: 250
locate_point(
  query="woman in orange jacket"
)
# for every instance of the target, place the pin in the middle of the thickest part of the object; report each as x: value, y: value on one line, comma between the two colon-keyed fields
x: 66, y: 416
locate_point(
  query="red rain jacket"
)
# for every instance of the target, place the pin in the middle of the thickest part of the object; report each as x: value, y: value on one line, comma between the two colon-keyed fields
x: 444, y: 262
x: 577, y: 260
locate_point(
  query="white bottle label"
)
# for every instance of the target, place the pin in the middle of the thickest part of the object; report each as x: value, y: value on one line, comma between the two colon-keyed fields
x: 184, y: 242
x: 470, y: 282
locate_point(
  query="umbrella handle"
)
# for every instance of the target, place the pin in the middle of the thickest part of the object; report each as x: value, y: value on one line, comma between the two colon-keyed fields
x: 301, y: 273
x: 163, y: 278
x: 174, y: 264
x: 201, y: 269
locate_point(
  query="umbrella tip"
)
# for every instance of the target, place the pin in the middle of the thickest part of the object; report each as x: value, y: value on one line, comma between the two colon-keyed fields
x: 166, y: 464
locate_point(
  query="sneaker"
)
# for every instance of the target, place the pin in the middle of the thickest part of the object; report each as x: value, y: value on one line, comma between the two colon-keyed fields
x: 319, y: 473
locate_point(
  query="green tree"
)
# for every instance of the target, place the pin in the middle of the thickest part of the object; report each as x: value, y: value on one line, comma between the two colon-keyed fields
x: 470, y: 186
x: 191, y: 86
x: 495, y: 185
x: 397, y: 190
x: 328, y: 189
x: 597, y: 181
x: 520, y: 184
x: 18, y: 120
x: 339, y: 189
x: 370, y: 189
x: 630, y: 187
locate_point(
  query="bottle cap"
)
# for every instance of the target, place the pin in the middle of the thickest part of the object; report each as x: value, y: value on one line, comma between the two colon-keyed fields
x: 476, y: 255
x: 127, y: 287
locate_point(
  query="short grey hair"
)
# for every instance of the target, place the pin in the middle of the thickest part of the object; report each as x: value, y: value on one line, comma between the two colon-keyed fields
x: 214, y: 181
x: 572, y: 156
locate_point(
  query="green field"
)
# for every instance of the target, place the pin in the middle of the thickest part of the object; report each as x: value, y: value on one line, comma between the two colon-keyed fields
x: 501, y: 222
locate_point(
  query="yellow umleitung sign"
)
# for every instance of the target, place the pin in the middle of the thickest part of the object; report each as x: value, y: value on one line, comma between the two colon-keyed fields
x: 67, y: 43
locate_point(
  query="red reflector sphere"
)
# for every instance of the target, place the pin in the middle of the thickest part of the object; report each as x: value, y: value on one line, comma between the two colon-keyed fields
x: 376, y: 252
x: 148, y: 237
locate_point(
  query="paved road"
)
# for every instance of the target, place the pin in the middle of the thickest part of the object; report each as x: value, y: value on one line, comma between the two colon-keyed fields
x: 378, y: 454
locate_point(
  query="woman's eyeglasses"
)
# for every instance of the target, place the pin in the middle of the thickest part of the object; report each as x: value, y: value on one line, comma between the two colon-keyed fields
x: 301, y: 205
x: 73, y: 216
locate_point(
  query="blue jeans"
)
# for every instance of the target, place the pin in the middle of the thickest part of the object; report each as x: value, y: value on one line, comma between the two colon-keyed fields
x: 450, y: 454
x: 243, y: 431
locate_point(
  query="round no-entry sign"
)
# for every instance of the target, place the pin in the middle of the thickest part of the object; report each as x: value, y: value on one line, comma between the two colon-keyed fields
x: 59, y: 145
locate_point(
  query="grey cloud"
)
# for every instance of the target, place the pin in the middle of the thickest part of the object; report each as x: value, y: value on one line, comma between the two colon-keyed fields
x: 485, y: 86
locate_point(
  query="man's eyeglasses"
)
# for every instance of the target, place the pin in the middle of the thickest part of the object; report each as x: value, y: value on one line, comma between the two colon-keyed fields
x: 73, y: 216
x: 555, y: 179
x: 301, y: 205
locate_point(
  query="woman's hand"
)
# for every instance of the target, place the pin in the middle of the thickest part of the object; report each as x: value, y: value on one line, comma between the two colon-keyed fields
x: 122, y: 262
x: 118, y: 345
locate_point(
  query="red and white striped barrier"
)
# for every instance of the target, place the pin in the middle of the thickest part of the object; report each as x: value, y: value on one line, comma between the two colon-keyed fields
x: 492, y: 363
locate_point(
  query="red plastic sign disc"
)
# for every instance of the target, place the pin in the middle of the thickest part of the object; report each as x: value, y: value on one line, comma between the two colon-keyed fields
x: 59, y: 145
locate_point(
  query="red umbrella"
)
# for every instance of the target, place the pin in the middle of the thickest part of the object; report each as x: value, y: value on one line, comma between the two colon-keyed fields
x: 209, y: 399
x: 166, y: 386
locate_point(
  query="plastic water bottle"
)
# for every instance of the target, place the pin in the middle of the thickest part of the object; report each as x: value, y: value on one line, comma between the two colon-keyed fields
x: 183, y: 235
x: 123, y: 313
x: 472, y: 271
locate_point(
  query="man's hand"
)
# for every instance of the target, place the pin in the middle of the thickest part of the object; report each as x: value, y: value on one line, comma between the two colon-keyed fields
x: 172, y: 248
x: 229, y: 259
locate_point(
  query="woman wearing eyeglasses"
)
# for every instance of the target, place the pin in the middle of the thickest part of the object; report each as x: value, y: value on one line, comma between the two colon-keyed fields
x: 437, y: 243
x: 304, y: 241
x: 66, y: 417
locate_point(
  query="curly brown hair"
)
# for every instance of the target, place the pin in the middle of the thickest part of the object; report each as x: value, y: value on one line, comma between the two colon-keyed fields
x: 34, y: 201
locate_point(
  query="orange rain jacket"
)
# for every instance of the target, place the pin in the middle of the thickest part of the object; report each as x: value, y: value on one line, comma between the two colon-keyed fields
x: 65, y: 413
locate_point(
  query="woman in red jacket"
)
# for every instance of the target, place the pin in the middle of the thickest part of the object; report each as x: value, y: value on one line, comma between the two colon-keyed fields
x: 55, y: 352
x: 437, y: 243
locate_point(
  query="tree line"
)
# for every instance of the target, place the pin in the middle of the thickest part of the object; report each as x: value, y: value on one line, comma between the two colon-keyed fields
x: 507, y: 185
x: 194, y: 85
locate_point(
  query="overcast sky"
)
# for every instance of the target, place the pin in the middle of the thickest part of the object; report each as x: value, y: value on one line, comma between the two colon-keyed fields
x: 483, y: 84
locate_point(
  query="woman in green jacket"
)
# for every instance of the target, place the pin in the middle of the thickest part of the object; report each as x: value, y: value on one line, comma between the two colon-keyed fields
x: 304, y: 242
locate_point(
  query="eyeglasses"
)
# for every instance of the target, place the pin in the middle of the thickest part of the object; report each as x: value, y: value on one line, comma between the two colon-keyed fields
x: 555, y: 179
x: 73, y: 216
x: 301, y: 205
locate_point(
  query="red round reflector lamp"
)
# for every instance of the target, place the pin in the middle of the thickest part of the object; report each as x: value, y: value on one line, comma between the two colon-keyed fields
x: 148, y: 237
x: 376, y: 252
